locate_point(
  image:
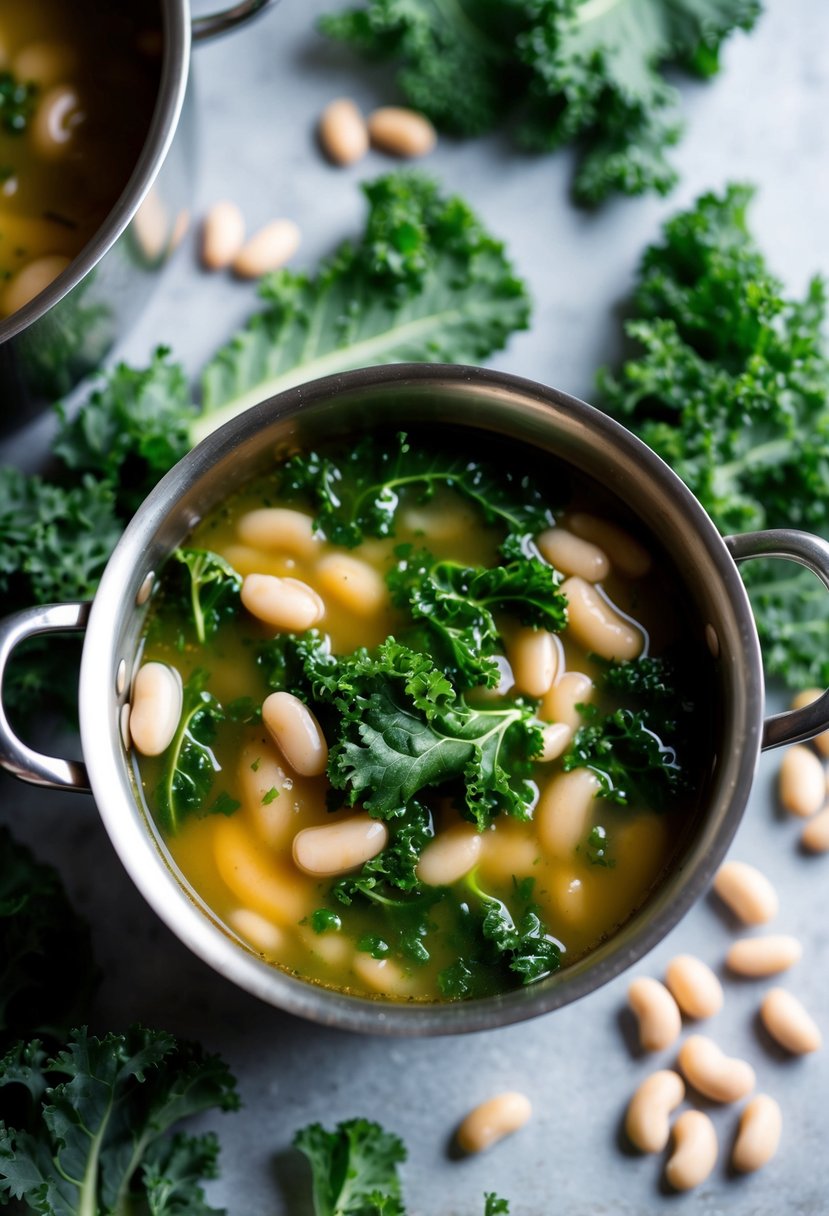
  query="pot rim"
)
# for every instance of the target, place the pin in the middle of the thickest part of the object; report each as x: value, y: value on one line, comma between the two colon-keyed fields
x: 172, y: 84
x: 182, y: 909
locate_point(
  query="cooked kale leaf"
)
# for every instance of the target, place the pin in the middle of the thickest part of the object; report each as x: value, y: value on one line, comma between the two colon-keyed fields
x: 396, y: 866
x: 190, y: 765
x: 631, y: 762
x: 209, y: 588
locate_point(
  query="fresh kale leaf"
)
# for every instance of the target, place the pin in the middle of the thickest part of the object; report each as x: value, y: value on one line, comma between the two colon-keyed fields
x: 210, y: 589
x: 47, y: 970
x: 583, y: 71
x: 94, y: 1138
x: 731, y: 388
x: 357, y: 494
x: 633, y: 765
x: 397, y: 864
x: 426, y: 282
x: 456, y: 605
x: 353, y: 1168
x: 494, y: 1205
x: 190, y: 765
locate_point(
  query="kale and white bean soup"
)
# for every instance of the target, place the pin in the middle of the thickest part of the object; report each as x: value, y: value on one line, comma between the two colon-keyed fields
x: 412, y: 725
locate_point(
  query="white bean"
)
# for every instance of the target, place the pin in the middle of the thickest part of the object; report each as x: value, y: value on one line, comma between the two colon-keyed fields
x: 343, y: 134
x: 657, y: 1013
x: 597, y: 625
x: 563, y: 813
x: 747, y: 892
x: 156, y: 703
x: 714, y: 1074
x: 572, y: 555
x: 268, y: 249
x: 279, y: 528
x: 493, y: 1120
x: 57, y: 117
x: 401, y: 132
x: 256, y: 930
x: 256, y: 879
x: 383, y: 975
x: 761, y: 1125
x: 625, y: 553
x: 296, y: 733
x: 759, y: 956
x: 556, y: 738
x: 284, y: 603
x: 815, y: 835
x: 646, y: 1122
x: 695, y: 1151
x: 567, y: 896
x: 802, y: 782
x: 804, y: 698
x: 789, y: 1024
x: 46, y: 63
x: 353, y: 583
x: 223, y: 235
x: 450, y: 855
x: 695, y: 988
x: 265, y: 791
x: 30, y: 281
x: 571, y: 689
x: 336, y: 848
x: 534, y: 657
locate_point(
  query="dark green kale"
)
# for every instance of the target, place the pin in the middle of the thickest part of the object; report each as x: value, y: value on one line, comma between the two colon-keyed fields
x: 47, y: 970
x: 17, y: 102
x: 190, y: 765
x: 353, y: 1168
x: 573, y: 71
x: 396, y: 866
x: 495, y: 1205
x: 731, y: 387
x: 634, y: 767
x: 208, y: 591
x: 357, y: 494
x: 597, y: 848
x: 455, y: 604
x: 650, y: 678
x: 92, y: 1123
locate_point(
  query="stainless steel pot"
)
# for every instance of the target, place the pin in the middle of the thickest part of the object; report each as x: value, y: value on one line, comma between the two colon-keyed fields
x: 64, y: 333
x: 481, y: 402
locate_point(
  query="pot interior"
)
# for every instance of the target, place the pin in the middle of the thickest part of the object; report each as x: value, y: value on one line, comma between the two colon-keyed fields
x: 469, y: 403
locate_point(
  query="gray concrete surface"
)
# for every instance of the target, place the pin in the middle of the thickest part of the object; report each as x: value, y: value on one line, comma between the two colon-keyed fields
x: 259, y: 93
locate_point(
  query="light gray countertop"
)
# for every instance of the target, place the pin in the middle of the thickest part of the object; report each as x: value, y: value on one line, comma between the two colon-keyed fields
x: 259, y: 94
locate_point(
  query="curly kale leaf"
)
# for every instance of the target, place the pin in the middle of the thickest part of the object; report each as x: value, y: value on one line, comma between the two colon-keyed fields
x: 731, y: 388
x: 582, y: 71
x: 396, y: 866
x: 353, y: 1168
x: 494, y: 1205
x: 209, y: 591
x: 455, y: 604
x: 95, y: 1137
x: 358, y: 493
x: 650, y: 678
x: 426, y: 282
x: 47, y: 970
x: 633, y: 765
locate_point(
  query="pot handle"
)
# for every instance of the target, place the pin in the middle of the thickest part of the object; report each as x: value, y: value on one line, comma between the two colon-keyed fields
x: 23, y: 761
x: 227, y: 19
x: 795, y: 725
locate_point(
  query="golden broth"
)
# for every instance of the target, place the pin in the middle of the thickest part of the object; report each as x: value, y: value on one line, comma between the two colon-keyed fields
x: 92, y: 72
x: 242, y: 864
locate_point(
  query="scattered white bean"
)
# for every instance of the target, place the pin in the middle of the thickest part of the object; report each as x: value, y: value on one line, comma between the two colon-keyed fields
x: 563, y: 812
x: 694, y: 1153
x: 353, y: 583
x: 343, y: 133
x: 280, y: 529
x: 657, y: 1013
x: 268, y: 249
x: 759, y: 956
x: 223, y: 235
x: 296, y: 733
x: 747, y: 892
x: 151, y: 227
x: 805, y: 698
x: 625, y: 553
x: 646, y: 1122
x: 493, y: 1120
x: 718, y: 1076
x: 284, y: 603
x: 597, y: 625
x: 156, y: 702
x: 789, y: 1024
x: 534, y: 658
x: 30, y: 281
x: 802, y: 782
x: 572, y: 688
x: 758, y: 1138
x: 815, y: 835
x: 450, y: 855
x: 572, y: 555
x: 557, y: 738
x: 401, y: 132
x: 336, y: 848
x: 695, y: 988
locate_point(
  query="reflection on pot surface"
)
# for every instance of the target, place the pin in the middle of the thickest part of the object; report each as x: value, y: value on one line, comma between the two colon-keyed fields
x: 78, y: 85
x: 412, y: 726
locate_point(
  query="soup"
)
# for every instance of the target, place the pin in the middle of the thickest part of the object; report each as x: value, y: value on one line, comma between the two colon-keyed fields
x: 78, y: 84
x: 410, y: 729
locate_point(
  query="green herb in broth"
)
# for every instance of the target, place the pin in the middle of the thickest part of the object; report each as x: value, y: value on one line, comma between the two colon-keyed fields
x: 630, y: 759
x: 211, y: 588
x: 17, y: 100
